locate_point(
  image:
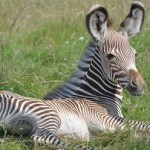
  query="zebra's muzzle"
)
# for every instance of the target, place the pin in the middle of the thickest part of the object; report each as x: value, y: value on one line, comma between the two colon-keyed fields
x: 136, y: 90
x: 137, y: 85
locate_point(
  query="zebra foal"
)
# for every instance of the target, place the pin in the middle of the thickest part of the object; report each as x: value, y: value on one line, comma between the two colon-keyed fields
x: 96, y: 104
x: 44, y: 121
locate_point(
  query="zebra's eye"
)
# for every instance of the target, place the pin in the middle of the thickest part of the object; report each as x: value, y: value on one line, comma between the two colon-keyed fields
x: 110, y: 56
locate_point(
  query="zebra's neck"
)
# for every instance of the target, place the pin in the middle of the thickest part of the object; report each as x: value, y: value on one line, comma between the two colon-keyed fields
x: 97, y: 86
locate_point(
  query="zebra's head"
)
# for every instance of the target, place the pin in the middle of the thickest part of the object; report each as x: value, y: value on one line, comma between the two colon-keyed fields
x: 116, y: 54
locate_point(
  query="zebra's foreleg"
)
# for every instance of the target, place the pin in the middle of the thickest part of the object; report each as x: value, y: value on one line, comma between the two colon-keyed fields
x: 113, y: 123
x: 48, y: 138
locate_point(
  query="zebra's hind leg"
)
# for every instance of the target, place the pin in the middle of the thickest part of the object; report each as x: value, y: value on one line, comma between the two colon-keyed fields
x: 48, y: 138
x: 20, y: 125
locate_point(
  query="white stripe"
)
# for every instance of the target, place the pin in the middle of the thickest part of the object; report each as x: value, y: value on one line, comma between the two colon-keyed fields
x: 132, y: 67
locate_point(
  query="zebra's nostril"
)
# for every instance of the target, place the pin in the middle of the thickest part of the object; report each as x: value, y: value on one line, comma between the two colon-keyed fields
x: 133, y: 84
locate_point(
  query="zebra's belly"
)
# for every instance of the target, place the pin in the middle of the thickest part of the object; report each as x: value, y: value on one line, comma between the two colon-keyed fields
x: 74, y: 127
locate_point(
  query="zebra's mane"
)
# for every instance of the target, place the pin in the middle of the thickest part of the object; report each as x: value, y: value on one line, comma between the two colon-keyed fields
x: 68, y: 89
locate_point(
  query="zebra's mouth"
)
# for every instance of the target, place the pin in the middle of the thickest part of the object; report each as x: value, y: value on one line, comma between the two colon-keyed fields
x: 135, y: 91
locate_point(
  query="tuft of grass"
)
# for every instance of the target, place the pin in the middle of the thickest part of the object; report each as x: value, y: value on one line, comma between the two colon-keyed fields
x: 41, y: 43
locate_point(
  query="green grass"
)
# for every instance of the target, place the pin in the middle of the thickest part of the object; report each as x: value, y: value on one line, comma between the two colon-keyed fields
x: 40, y: 47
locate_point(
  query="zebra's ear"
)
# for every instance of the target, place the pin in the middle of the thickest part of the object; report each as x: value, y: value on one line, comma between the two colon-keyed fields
x: 134, y: 20
x: 96, y: 22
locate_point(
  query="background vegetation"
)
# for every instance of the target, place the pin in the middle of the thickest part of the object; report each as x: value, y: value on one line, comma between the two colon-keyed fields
x: 41, y: 42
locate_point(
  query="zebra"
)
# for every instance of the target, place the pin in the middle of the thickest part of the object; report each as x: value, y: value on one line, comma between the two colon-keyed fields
x: 69, y: 89
x: 96, y: 104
